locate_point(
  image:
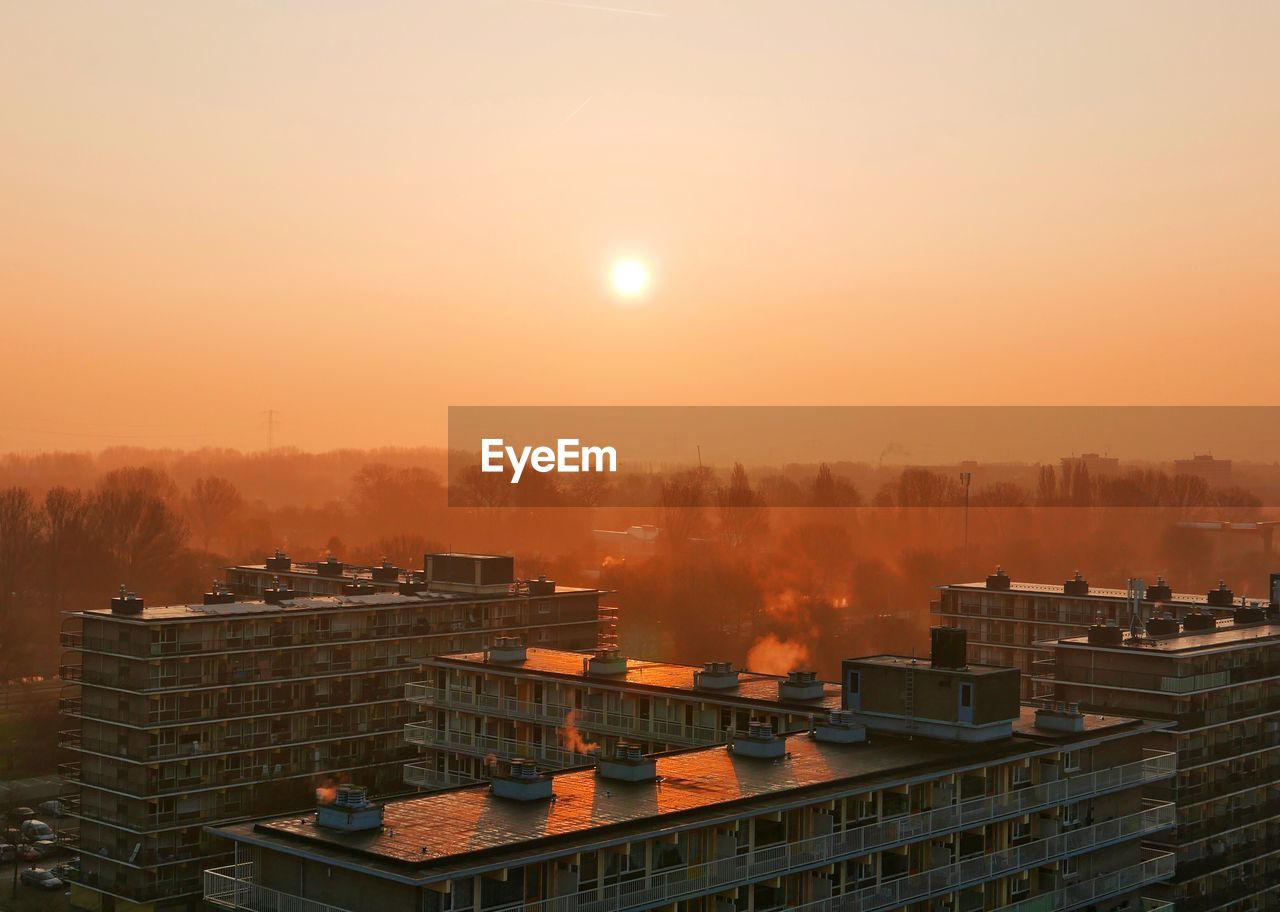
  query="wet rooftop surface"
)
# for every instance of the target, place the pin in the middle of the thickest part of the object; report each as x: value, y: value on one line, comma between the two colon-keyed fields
x: 639, y: 673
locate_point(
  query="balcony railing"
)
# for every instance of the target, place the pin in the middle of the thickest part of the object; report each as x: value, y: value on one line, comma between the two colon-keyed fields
x: 424, y: 776
x: 232, y: 887
x: 556, y: 714
x: 1155, y: 869
x: 485, y: 745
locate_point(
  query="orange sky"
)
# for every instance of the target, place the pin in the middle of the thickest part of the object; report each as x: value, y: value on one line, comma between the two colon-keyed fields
x: 361, y: 213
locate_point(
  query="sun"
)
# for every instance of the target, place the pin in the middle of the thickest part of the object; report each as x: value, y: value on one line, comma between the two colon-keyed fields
x: 629, y: 277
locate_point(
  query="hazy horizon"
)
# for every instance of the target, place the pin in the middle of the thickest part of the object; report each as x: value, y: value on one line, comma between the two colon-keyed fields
x: 358, y: 215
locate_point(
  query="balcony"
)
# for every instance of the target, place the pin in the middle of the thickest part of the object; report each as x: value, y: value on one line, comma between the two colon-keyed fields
x: 1153, y: 870
x: 485, y: 745
x: 232, y: 887
x: 423, y: 776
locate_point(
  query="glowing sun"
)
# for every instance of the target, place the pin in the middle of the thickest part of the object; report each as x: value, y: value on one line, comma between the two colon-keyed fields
x: 629, y: 277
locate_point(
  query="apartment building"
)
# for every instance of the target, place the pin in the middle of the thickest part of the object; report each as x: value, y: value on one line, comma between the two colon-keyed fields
x: 187, y: 715
x: 482, y: 710
x: 1007, y: 621
x: 999, y: 807
x: 1219, y: 682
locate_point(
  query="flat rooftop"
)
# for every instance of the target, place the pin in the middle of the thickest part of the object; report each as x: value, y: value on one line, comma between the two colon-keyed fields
x: 657, y: 676
x: 425, y: 839
x: 303, y: 604
x: 895, y: 661
x: 1226, y: 636
x: 1098, y: 592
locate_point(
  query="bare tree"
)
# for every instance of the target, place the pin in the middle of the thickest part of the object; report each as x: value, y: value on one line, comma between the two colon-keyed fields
x: 211, y: 505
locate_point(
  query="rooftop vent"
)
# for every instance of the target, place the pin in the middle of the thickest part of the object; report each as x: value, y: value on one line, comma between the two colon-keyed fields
x: 386, y: 572
x: 541, y: 586
x: 351, y: 811
x: 279, y: 562
x: 1102, y: 634
x: 1165, y: 625
x: 277, y: 592
x: 126, y: 603
x: 506, y: 649
x: 628, y: 764
x: 1198, y: 622
x: 1077, y: 585
x: 219, y: 594
x: 800, y: 685
x: 1222, y: 597
x: 1160, y: 592
x: 412, y: 586
x: 359, y: 588
x: 1063, y: 717
x: 760, y: 741
x: 523, y: 783
x: 840, y: 728
x: 330, y: 566
x: 998, y: 580
x: 716, y: 676
x: 949, y: 647
x: 1252, y: 614
x: 605, y: 662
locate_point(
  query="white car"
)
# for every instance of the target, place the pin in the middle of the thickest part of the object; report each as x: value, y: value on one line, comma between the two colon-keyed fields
x: 53, y: 808
x: 39, y: 833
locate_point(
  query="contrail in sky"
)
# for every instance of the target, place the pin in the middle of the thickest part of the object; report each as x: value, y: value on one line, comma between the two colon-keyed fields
x: 574, y: 112
x: 602, y: 9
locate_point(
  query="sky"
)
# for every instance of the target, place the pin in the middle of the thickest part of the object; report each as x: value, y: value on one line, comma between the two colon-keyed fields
x: 359, y: 214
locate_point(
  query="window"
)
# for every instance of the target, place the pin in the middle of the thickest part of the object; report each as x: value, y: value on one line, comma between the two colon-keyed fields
x: 1071, y: 760
x: 1069, y: 867
x: 966, y: 695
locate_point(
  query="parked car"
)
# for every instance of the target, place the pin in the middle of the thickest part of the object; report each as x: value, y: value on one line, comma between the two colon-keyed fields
x: 53, y: 808
x: 27, y: 852
x: 68, y: 869
x: 39, y: 877
x: 8, y: 852
x: 38, y: 833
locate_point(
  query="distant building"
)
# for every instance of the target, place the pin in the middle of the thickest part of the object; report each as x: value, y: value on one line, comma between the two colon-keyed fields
x: 1007, y: 620
x: 1016, y: 809
x: 1214, y: 471
x: 483, y: 710
x: 1093, y: 463
x: 1219, y: 683
x: 190, y: 715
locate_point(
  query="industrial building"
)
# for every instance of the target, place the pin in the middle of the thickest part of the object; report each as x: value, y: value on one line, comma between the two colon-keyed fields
x: 481, y: 710
x: 1218, y: 681
x: 955, y: 797
x: 187, y: 715
x: 1007, y: 621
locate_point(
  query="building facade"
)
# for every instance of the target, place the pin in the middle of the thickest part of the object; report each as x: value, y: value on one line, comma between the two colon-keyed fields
x: 1022, y: 811
x: 1219, y: 682
x: 481, y: 710
x: 189, y: 715
x: 1007, y: 622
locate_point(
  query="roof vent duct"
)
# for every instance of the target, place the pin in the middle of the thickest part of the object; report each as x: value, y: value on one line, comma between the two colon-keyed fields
x: 1076, y: 586
x: 1198, y: 622
x: 1063, y: 717
x: 1103, y: 634
x: 948, y: 647
x: 523, y: 783
x: 506, y: 649
x: 716, y: 676
x: 605, y: 662
x: 331, y: 566
x: 386, y: 572
x: 1165, y: 625
x: 277, y: 592
x: 627, y: 764
x: 1222, y: 597
x: 840, y: 728
x: 279, y: 562
x: 126, y: 603
x: 359, y: 588
x: 760, y: 741
x: 351, y: 811
x: 1160, y: 592
x: 541, y: 586
x: 219, y: 594
x: 998, y: 580
x: 800, y: 685
x: 1251, y: 614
